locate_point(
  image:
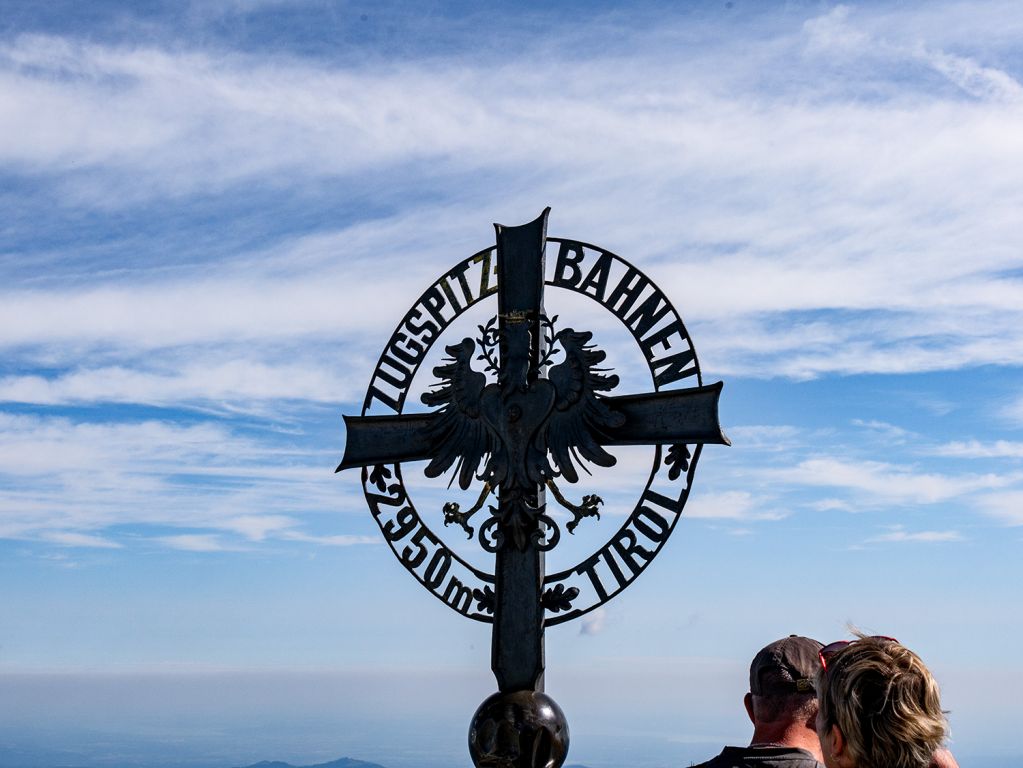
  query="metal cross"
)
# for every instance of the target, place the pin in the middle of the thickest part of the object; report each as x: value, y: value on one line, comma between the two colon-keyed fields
x: 528, y: 426
x: 670, y: 417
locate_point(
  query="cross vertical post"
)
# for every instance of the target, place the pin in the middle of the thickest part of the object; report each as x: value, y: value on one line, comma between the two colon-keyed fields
x: 520, y: 435
x: 517, y: 646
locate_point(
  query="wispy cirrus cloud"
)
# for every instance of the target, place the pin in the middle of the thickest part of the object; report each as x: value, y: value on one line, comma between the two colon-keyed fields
x: 1006, y: 507
x: 82, y: 484
x: 975, y: 449
x: 876, y: 482
x: 237, y: 381
x: 729, y: 505
x: 806, y: 226
x: 899, y: 535
x: 194, y: 542
x: 840, y: 268
x: 72, y: 539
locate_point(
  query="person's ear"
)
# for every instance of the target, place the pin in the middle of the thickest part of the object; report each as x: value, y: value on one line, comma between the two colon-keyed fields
x: 837, y: 746
x: 748, y: 701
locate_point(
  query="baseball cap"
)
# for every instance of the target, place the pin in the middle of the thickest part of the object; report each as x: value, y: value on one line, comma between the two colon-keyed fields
x: 794, y: 662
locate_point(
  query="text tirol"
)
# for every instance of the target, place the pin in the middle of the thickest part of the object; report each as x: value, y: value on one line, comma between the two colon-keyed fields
x: 650, y: 524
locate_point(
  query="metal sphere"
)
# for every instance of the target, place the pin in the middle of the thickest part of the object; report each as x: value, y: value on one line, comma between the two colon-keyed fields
x: 523, y: 729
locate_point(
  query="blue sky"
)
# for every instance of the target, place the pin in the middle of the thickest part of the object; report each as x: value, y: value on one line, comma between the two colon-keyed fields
x: 215, y: 213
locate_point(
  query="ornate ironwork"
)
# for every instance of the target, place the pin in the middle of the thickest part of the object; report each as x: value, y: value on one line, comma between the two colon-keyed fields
x: 521, y: 425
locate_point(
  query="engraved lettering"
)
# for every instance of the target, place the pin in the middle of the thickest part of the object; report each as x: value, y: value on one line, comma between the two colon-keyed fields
x: 589, y: 567
x: 434, y: 303
x: 459, y: 274
x: 668, y: 503
x: 427, y: 331
x: 399, y: 383
x: 616, y: 571
x: 629, y: 288
x: 569, y: 257
x: 383, y: 397
x: 411, y: 353
x: 675, y: 368
x: 657, y: 532
x: 597, y: 278
x: 412, y: 559
x: 662, y: 336
x: 457, y: 595
x: 631, y: 551
x: 396, y: 498
x: 489, y: 265
x: 648, y: 314
x: 437, y: 569
x: 446, y: 287
x: 403, y: 524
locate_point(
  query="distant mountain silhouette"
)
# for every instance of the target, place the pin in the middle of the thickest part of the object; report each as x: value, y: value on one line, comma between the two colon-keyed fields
x: 344, y: 762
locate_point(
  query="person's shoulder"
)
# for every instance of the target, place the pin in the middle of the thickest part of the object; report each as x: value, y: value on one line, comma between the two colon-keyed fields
x: 761, y: 757
x: 718, y: 761
x: 786, y: 757
x: 790, y: 757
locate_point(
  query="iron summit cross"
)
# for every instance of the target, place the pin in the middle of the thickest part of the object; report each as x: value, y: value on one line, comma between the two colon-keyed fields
x: 509, y: 417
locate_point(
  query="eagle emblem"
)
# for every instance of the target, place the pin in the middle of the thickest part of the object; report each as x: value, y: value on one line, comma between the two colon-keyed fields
x: 516, y: 433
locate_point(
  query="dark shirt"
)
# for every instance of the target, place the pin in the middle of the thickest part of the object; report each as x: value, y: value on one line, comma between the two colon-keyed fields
x: 762, y: 757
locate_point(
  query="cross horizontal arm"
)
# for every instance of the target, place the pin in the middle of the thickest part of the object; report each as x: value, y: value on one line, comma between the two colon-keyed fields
x: 675, y: 416
x: 386, y: 440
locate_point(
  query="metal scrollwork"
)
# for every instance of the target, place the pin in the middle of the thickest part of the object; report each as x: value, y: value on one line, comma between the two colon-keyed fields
x: 558, y: 598
x: 491, y: 537
x: 547, y: 534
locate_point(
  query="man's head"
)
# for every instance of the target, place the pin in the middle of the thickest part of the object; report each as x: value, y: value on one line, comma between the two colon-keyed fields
x: 781, y: 701
x: 781, y: 681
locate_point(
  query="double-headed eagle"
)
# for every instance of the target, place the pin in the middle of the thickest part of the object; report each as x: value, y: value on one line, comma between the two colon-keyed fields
x: 523, y: 434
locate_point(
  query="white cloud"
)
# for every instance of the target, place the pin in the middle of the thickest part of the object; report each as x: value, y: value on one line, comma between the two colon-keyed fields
x: 1014, y: 411
x: 878, y: 482
x: 256, y: 527
x: 831, y: 505
x: 1006, y: 507
x: 890, y: 431
x: 71, y: 539
x: 68, y: 482
x: 194, y: 542
x: 830, y: 33
x: 593, y: 622
x: 765, y: 437
x: 975, y: 449
x: 803, y: 229
x: 900, y: 535
x: 340, y: 540
x: 975, y: 79
x: 235, y: 381
x: 728, y: 505
x: 859, y: 211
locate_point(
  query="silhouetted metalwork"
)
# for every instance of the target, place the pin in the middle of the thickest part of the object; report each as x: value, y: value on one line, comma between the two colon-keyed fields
x: 516, y: 427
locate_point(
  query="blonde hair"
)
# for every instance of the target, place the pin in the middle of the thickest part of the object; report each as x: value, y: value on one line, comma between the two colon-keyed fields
x: 885, y: 702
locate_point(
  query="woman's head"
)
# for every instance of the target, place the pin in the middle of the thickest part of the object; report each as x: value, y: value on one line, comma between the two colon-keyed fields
x: 879, y: 707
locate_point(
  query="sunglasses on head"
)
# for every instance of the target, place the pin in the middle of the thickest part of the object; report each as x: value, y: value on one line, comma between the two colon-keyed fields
x: 829, y: 650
